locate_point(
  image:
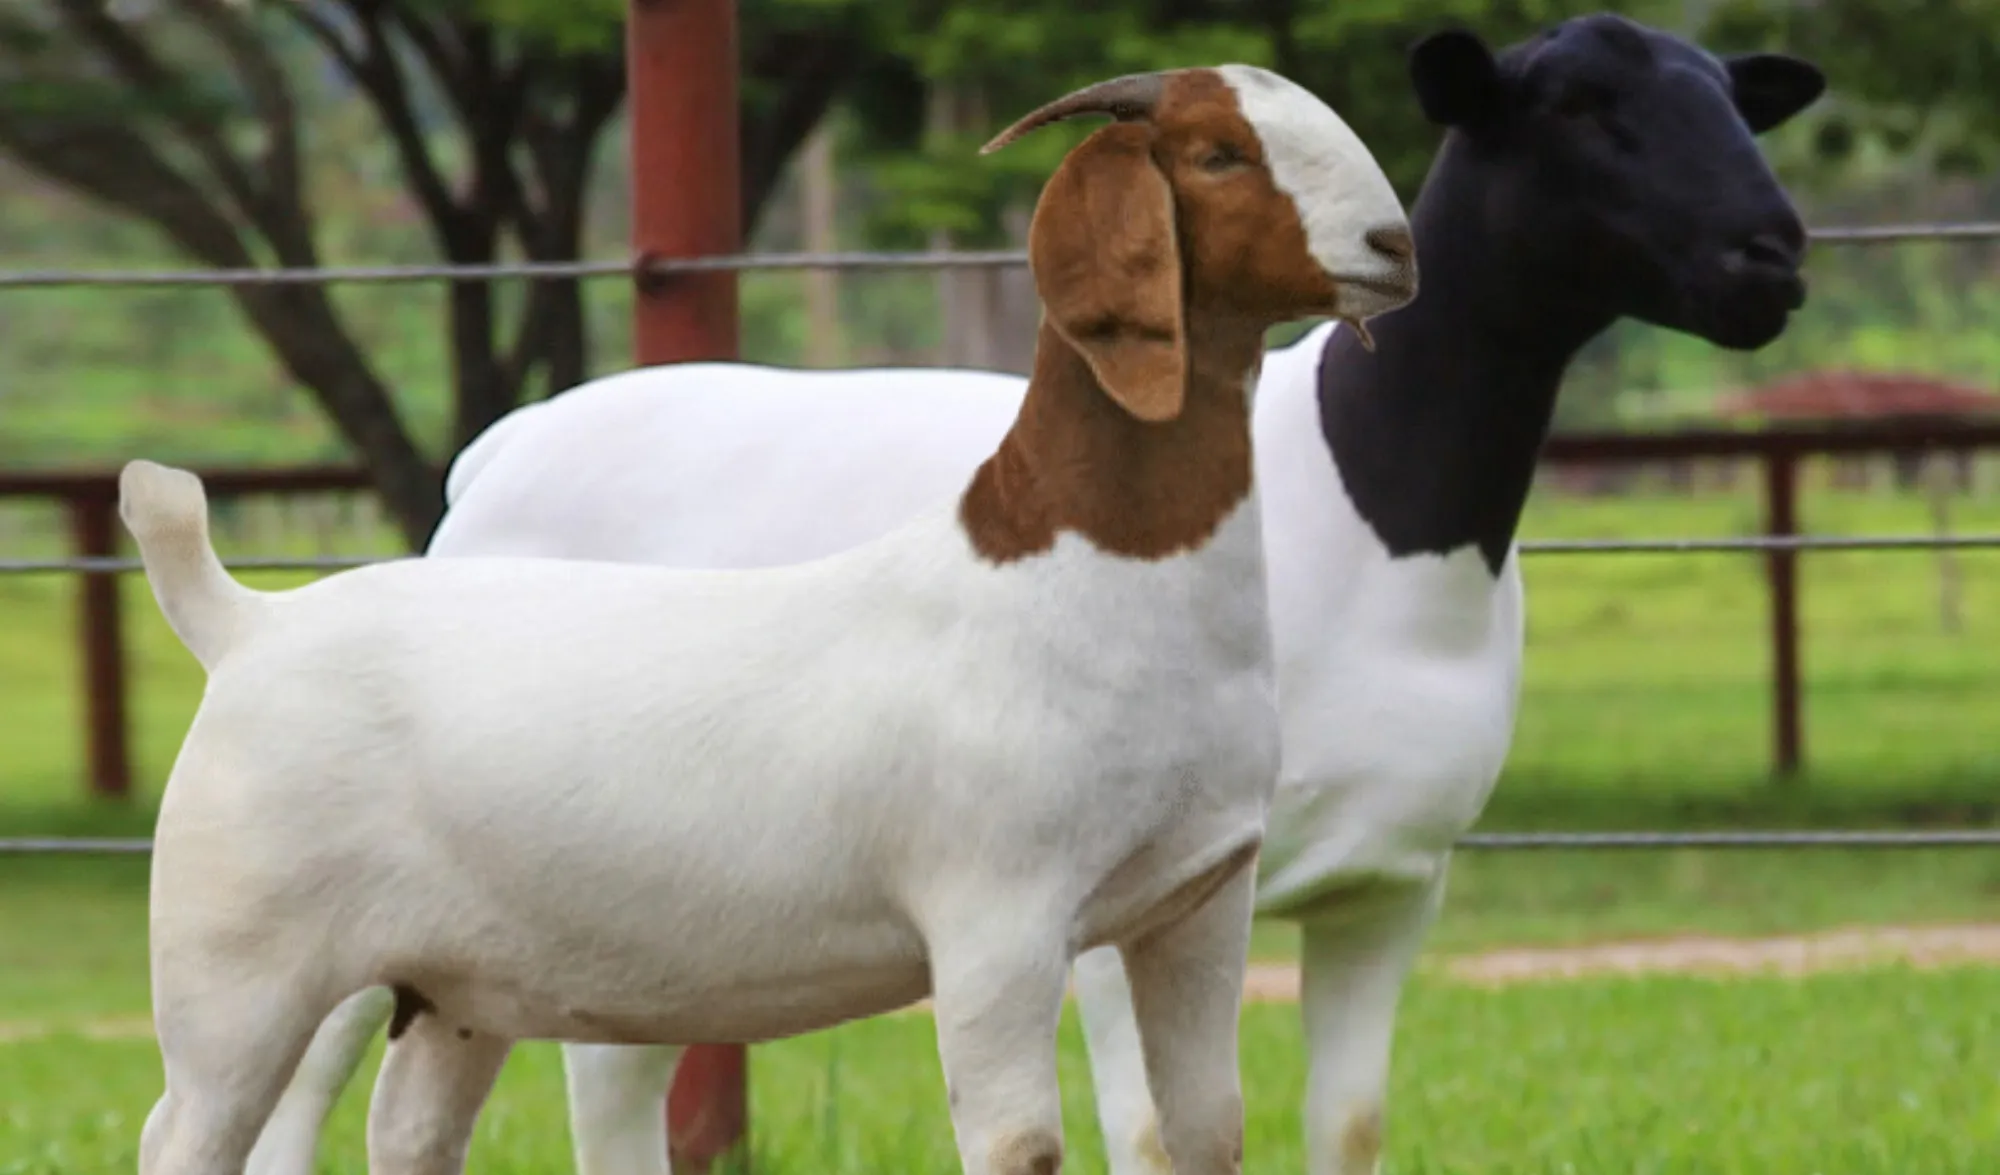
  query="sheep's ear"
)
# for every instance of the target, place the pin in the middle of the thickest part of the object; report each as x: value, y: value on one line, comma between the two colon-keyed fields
x: 1771, y: 87
x: 1107, y: 264
x: 1457, y: 81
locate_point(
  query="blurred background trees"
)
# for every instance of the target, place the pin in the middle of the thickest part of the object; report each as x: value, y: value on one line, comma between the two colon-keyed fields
x: 153, y: 133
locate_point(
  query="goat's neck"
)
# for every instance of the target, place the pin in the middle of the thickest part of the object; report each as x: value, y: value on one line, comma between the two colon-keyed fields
x: 1076, y: 461
x: 1437, y: 432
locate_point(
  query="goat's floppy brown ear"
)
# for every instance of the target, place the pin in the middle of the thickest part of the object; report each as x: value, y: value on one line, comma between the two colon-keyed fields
x: 1107, y: 265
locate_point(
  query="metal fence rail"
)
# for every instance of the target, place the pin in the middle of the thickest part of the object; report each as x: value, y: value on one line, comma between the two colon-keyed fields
x: 658, y: 267
x: 1749, y: 544
x: 1949, y: 838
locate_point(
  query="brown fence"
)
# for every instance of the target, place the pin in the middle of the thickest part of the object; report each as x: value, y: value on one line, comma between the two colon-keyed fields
x: 90, y: 500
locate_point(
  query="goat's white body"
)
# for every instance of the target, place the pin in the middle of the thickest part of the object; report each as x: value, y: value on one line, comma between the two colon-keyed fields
x: 942, y: 752
x: 1397, y: 678
x: 552, y: 777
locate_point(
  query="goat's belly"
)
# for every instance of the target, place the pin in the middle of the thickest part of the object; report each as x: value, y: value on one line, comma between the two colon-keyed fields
x: 616, y: 952
x: 680, y: 1009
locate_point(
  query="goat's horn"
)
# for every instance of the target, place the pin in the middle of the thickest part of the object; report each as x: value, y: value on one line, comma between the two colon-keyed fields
x: 1132, y: 96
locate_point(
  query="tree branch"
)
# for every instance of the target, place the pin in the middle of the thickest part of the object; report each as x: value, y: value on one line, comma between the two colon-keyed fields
x: 377, y: 72
x: 281, y: 207
x: 809, y: 69
x: 147, y: 74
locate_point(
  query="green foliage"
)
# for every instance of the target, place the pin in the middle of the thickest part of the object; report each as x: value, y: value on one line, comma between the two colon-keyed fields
x: 569, y: 25
x: 1016, y: 57
x: 1915, y: 74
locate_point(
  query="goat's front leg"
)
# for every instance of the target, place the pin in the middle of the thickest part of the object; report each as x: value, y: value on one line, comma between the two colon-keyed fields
x: 1355, y: 960
x: 1187, y: 996
x: 433, y: 1082
x: 997, y: 997
x: 618, y: 1106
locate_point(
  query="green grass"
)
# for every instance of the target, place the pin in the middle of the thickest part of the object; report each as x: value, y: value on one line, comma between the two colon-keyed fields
x: 1653, y: 671
x: 1885, y: 1072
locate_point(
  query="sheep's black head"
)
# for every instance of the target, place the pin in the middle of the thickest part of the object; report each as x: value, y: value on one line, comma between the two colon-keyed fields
x: 1620, y: 161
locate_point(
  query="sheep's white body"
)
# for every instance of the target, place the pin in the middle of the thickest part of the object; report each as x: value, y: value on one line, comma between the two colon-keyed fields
x: 737, y: 465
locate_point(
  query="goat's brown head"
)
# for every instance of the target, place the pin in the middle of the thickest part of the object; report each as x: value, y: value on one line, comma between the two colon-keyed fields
x: 1228, y: 192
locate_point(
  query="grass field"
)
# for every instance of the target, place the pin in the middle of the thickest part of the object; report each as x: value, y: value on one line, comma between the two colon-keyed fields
x: 1876, y: 1073
x: 1646, y: 705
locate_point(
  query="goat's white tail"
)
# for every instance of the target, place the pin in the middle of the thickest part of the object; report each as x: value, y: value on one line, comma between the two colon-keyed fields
x: 167, y: 513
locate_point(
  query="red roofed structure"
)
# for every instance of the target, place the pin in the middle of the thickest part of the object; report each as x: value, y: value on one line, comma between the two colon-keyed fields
x: 1859, y: 395
x: 1854, y: 398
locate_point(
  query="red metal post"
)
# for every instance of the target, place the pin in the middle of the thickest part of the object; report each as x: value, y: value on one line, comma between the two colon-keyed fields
x: 92, y: 527
x: 1781, y: 518
x: 680, y: 63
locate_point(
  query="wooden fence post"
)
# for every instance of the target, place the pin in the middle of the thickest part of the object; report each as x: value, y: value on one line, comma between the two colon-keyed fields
x: 1781, y: 520
x: 93, y: 522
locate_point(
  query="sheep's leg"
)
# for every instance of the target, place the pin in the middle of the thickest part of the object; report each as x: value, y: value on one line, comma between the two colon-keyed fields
x: 1118, y: 1065
x: 227, y: 1043
x: 1187, y: 996
x: 618, y: 1107
x: 1354, y: 965
x: 997, y: 1004
x: 434, y: 1080
x: 291, y: 1137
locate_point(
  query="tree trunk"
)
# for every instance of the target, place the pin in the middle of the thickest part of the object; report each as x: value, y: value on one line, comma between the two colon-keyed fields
x: 481, y: 386
x: 966, y: 296
x: 1019, y: 307
x: 299, y: 324
x: 819, y: 215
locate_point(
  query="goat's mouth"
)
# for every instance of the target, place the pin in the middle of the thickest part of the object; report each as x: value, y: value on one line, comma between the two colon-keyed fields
x: 1365, y: 297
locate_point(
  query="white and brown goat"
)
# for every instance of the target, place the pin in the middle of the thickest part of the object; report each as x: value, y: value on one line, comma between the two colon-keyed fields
x: 632, y: 805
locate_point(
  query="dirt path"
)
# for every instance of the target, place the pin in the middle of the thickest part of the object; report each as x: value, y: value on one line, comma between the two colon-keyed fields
x: 1801, y: 954
x: 1835, y: 950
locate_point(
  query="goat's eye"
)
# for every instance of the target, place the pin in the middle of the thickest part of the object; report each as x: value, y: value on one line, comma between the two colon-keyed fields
x: 1222, y: 157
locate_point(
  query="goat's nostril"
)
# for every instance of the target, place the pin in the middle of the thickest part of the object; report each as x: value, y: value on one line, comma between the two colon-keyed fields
x: 1393, y: 243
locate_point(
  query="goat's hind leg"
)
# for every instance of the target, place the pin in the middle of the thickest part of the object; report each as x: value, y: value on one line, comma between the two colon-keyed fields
x: 230, y: 1037
x: 290, y: 1139
x: 434, y: 1080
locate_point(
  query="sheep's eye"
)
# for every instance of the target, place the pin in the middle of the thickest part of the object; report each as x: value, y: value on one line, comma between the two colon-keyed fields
x: 1584, y: 100
x: 1222, y: 157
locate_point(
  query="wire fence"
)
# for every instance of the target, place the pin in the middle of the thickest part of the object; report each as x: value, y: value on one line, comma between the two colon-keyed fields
x: 1950, y: 838
x: 665, y: 267
x: 1749, y: 544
